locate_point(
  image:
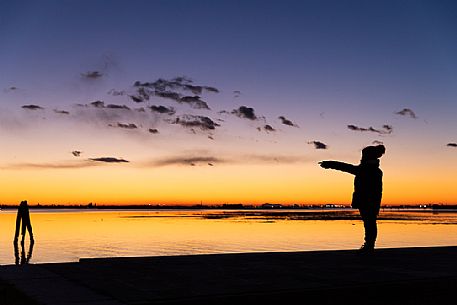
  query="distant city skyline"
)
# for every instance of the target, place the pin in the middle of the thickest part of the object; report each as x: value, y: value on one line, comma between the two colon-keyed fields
x: 180, y: 102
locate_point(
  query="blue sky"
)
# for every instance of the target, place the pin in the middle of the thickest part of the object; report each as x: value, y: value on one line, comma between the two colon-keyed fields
x: 317, y: 47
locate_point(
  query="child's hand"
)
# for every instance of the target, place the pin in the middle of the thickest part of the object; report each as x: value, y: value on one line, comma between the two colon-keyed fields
x: 324, y: 164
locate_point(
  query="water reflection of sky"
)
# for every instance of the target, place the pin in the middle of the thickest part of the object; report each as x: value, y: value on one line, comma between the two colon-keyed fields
x: 67, y: 235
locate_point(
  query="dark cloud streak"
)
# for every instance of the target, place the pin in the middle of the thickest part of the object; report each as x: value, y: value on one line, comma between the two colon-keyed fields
x: 386, y: 129
x: 126, y: 126
x: 318, y: 145
x: 245, y: 112
x: 114, y: 106
x: 108, y: 160
x: 244, y: 159
x: 269, y: 128
x: 32, y: 107
x: 202, y: 122
x: 61, y: 111
x: 287, y: 121
x: 57, y: 165
x: 407, y: 112
x: 163, y: 109
x: 92, y: 75
x: 98, y: 104
x: 194, y: 102
x: 182, y: 160
x: 76, y: 153
x: 174, y: 89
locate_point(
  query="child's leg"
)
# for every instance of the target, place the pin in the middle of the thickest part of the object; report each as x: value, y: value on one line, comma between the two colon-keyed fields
x: 371, y: 231
x: 371, y: 228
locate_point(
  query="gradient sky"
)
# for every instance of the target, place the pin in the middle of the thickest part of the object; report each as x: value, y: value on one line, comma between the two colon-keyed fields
x: 321, y: 64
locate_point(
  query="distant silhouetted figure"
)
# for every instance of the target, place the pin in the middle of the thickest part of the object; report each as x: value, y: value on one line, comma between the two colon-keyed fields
x: 367, y: 189
x: 24, y: 216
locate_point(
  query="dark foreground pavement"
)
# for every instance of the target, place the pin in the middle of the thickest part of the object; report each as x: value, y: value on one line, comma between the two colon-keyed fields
x: 390, y: 276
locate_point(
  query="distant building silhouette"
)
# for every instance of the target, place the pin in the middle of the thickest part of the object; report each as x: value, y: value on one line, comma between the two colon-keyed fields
x: 271, y: 206
x: 232, y: 206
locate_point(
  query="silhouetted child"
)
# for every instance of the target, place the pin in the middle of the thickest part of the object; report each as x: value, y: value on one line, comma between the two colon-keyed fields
x: 24, y: 216
x: 367, y: 189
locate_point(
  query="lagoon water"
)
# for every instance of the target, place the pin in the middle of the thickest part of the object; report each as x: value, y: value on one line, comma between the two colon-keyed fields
x: 68, y: 235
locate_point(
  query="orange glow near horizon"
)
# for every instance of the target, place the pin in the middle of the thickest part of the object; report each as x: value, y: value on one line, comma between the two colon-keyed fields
x: 285, y: 184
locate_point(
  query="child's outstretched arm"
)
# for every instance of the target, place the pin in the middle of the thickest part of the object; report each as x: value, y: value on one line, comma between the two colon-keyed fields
x: 341, y: 166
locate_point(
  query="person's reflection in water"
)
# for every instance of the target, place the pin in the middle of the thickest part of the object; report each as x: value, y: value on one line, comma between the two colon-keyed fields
x: 23, y: 259
x: 24, y: 216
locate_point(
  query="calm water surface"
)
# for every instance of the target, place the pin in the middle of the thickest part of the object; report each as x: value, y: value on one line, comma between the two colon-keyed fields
x: 68, y: 235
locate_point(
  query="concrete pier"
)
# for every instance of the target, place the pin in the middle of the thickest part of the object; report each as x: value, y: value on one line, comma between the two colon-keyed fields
x: 389, y: 276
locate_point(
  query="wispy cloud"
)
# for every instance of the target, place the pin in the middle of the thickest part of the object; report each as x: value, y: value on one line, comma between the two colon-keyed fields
x: 177, y: 83
x: 98, y: 104
x: 198, y: 121
x: 206, y: 159
x: 137, y: 99
x: 32, y: 107
x: 115, y: 92
x: 318, y: 145
x: 176, y: 89
x: 109, y: 160
x: 269, y: 128
x: 56, y: 165
x: 407, y: 112
x: 287, y: 121
x: 100, y: 114
x: 245, y: 112
x: 10, y: 89
x: 61, y: 111
x: 64, y: 165
x: 76, y: 153
x: 211, y: 89
x: 114, y: 106
x: 169, y: 95
x: 126, y: 126
x: 101, y: 105
x: 163, y: 109
x: 194, y: 102
x: 284, y: 159
x: 186, y: 160
x: 92, y: 75
x: 386, y: 129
